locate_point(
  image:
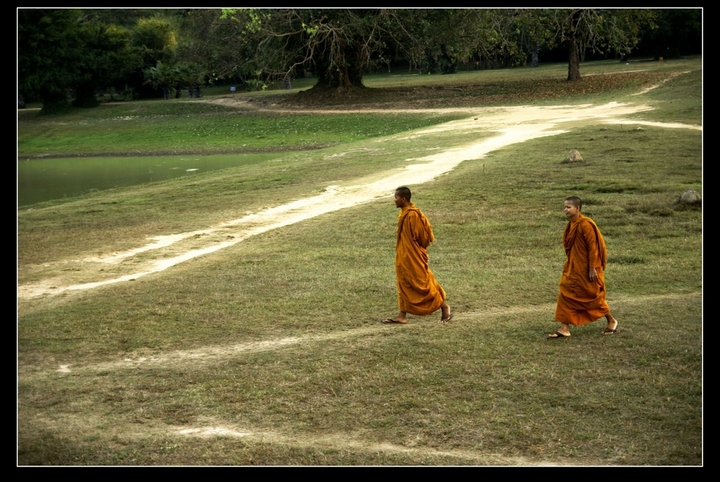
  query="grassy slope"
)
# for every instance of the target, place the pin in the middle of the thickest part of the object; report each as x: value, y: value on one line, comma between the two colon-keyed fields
x: 488, y: 389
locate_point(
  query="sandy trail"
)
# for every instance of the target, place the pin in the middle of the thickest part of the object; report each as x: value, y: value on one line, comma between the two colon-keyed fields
x: 213, y: 355
x: 210, y: 428
x: 511, y: 125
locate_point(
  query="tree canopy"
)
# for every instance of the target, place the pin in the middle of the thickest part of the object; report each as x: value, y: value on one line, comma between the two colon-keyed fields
x: 596, y: 30
x: 337, y: 45
x: 59, y: 50
x: 49, y: 53
x: 81, y: 51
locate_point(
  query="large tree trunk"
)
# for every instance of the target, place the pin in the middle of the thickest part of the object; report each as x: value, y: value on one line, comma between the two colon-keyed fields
x: 54, y: 101
x: 85, y: 97
x: 343, y: 79
x: 573, y: 61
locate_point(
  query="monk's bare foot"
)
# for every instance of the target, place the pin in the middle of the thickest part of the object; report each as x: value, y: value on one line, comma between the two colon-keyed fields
x: 447, y: 315
x: 563, y: 332
x: 611, y: 328
x: 401, y: 321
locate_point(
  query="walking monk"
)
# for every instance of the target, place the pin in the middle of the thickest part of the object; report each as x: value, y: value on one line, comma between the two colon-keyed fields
x: 418, y: 291
x: 582, y: 285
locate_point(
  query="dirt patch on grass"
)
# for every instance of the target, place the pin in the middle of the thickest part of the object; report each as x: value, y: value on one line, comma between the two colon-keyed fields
x: 212, y: 428
x: 510, y: 125
x: 349, y: 442
x: 214, y: 355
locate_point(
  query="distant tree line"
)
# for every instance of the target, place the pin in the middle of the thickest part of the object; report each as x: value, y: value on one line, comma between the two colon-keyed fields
x: 67, y: 56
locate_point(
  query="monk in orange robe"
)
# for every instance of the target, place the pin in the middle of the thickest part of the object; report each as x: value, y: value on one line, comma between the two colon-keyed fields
x: 582, y: 285
x: 418, y: 291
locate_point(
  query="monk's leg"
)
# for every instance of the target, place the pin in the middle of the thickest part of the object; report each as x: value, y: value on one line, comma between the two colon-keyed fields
x: 612, y: 324
x: 446, y: 313
x: 562, y: 332
x: 401, y: 317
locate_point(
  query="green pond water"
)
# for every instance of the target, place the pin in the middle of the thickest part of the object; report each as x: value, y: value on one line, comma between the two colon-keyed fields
x: 47, y: 179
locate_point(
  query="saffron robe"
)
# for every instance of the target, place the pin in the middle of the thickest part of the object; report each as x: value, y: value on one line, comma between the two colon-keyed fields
x: 418, y: 291
x: 582, y: 301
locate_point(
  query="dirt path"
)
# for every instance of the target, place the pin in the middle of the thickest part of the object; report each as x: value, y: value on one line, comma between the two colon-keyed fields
x: 216, y: 354
x: 511, y: 125
x: 212, y: 427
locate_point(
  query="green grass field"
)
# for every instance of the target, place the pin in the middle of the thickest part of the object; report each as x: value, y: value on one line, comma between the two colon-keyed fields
x: 270, y: 351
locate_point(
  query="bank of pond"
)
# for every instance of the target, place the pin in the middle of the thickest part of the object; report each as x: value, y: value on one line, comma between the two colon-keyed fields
x: 41, y: 180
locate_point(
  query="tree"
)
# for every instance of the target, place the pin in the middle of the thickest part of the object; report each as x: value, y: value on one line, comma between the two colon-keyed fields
x: 678, y: 33
x: 163, y: 77
x: 218, y: 46
x: 441, y: 39
x: 155, y: 37
x: 60, y: 51
x: 171, y: 78
x: 107, y: 58
x: 337, y: 45
x: 48, y: 49
x: 594, y: 29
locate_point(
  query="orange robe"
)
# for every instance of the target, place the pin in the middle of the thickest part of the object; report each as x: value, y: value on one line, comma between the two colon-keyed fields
x: 582, y: 301
x: 418, y: 291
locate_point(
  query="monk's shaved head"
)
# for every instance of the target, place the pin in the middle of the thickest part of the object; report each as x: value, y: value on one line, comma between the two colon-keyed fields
x: 576, y: 201
x: 403, y: 192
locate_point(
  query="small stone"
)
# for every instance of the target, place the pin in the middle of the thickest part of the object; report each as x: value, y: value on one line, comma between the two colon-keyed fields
x: 574, y: 156
x: 690, y: 196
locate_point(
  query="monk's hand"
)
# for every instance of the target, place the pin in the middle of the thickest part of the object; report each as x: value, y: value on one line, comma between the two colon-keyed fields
x: 592, y: 274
